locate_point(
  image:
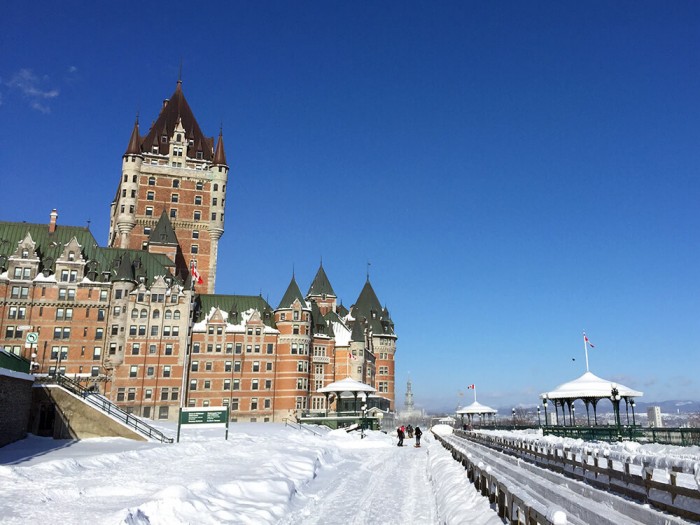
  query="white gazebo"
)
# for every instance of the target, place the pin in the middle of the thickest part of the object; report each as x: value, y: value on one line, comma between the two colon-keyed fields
x: 590, y: 389
x: 347, y: 385
x: 476, y: 409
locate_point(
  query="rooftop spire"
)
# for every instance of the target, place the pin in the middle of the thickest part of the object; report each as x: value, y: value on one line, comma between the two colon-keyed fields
x: 219, y: 154
x: 134, y: 147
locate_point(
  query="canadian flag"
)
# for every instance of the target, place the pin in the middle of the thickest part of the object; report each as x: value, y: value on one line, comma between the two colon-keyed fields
x: 585, y: 340
x: 471, y: 387
x: 195, y: 273
x: 353, y: 356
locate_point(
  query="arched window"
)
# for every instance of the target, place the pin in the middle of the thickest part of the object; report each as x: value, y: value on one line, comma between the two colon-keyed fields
x: 156, y: 314
x: 144, y: 314
x: 134, y: 313
x: 168, y: 314
x: 176, y: 314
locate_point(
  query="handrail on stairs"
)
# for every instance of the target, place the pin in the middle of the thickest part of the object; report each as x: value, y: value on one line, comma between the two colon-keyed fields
x: 113, y: 410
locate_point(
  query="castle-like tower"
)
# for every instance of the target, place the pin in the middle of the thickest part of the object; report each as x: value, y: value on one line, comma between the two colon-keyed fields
x: 174, y: 170
x: 126, y: 320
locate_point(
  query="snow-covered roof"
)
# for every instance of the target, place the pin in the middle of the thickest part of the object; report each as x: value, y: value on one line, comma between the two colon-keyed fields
x: 589, y: 385
x: 347, y: 385
x: 476, y: 408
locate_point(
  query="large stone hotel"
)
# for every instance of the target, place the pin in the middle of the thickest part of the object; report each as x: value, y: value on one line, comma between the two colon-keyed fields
x: 139, y: 320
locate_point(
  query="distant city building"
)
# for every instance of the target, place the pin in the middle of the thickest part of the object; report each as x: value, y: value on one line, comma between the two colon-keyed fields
x: 139, y: 319
x: 654, y: 417
x: 410, y: 411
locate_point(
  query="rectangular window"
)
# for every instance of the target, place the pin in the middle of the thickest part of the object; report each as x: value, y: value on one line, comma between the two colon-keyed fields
x: 254, y: 384
x: 236, y: 366
x: 239, y: 347
x: 227, y: 384
x: 166, y: 371
x: 236, y: 384
x: 270, y: 348
x: 131, y: 394
x: 254, y: 403
x: 133, y: 371
x: 99, y: 333
x: 96, y: 353
x: 95, y: 371
x: 195, y: 366
x: 256, y: 366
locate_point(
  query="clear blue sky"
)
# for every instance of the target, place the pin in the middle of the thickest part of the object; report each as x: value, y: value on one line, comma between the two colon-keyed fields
x: 516, y: 172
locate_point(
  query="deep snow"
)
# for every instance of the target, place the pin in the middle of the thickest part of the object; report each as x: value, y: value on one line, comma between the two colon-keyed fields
x: 264, y: 473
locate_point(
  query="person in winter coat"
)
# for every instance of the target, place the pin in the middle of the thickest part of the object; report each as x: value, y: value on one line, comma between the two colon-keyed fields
x: 400, y: 433
x: 418, y: 433
x: 409, y: 431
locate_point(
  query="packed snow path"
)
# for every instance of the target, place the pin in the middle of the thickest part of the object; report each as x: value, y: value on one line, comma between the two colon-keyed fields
x: 376, y: 485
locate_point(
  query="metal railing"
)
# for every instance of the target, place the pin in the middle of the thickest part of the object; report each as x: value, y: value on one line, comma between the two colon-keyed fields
x: 106, y: 406
x: 299, y: 426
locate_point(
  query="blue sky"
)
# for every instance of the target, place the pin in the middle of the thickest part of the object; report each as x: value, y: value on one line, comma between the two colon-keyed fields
x: 515, y: 172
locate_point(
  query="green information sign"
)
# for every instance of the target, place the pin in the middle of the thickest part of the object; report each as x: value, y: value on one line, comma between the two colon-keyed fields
x: 193, y: 416
x: 201, y: 416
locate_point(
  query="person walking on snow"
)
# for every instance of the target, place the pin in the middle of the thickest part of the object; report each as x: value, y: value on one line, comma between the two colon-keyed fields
x: 418, y: 433
x: 400, y: 433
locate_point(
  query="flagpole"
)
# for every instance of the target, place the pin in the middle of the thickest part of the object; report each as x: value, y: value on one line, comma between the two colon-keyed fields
x: 585, y: 349
x: 474, y: 393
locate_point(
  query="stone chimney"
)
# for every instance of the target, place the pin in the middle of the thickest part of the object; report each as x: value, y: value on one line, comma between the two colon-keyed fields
x: 52, y: 221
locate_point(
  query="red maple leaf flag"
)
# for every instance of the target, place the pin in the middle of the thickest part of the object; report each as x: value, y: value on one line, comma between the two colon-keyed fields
x: 471, y: 387
x: 195, y: 274
x: 585, y: 340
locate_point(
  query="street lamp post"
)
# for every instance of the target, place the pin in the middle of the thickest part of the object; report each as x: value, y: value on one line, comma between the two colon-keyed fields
x: 539, y: 421
x: 513, y: 412
x: 364, y: 413
x: 573, y: 414
x: 544, y: 404
x: 634, y: 423
x: 615, y: 398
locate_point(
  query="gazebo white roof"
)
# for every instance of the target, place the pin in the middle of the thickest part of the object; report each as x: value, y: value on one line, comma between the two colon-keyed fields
x: 476, y: 408
x: 346, y: 385
x: 591, y: 386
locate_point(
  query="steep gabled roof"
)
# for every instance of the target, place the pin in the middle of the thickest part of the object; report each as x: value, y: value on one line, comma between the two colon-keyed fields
x: 163, y: 233
x: 101, y: 263
x: 174, y: 110
x: 228, y: 303
x: 358, y: 333
x: 368, y: 308
x: 291, y: 295
x: 320, y: 285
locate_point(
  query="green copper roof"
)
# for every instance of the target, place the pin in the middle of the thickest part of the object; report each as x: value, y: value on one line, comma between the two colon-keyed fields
x: 163, y: 233
x: 320, y: 285
x: 102, y: 264
x: 229, y: 303
x: 291, y: 294
x: 368, y: 309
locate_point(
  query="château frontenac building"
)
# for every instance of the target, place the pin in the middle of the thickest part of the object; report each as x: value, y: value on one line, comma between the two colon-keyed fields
x: 139, y: 319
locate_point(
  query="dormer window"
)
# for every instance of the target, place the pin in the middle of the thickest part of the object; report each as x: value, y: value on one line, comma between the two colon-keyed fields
x: 164, y: 139
x: 71, y: 256
x: 25, y: 254
x: 200, y: 155
x: 177, y: 151
x: 154, y: 149
x: 179, y: 137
